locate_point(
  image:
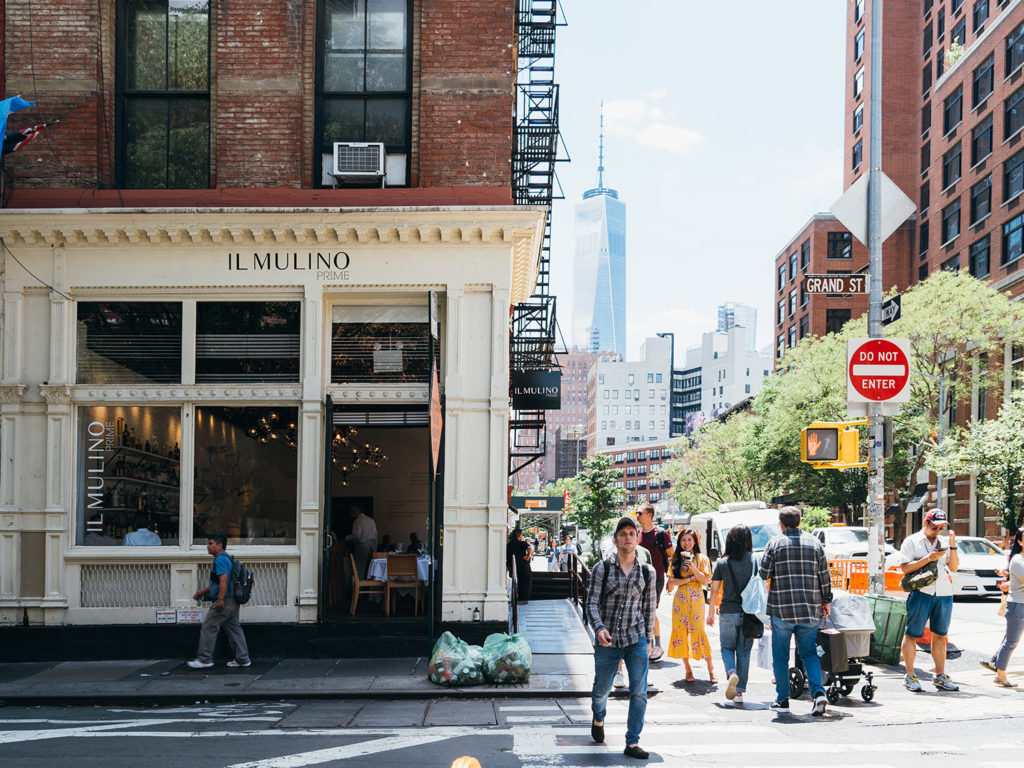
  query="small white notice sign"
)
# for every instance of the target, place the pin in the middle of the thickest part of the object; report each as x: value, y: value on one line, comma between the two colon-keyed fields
x: 166, y: 617
x: 190, y: 615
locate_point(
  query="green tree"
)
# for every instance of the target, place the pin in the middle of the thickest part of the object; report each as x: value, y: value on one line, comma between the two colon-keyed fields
x: 815, y: 517
x: 992, y: 449
x: 709, y: 469
x: 598, y: 500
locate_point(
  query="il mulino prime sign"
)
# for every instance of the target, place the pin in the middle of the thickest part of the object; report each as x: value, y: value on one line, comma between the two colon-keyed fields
x: 328, y: 266
x: 536, y: 390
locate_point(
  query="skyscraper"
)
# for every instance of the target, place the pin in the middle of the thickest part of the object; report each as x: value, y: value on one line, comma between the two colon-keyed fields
x: 731, y: 313
x: 599, y: 309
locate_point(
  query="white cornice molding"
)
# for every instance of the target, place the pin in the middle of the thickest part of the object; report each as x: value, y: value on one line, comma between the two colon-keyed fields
x: 179, y: 393
x: 12, y: 394
x: 378, y: 393
x: 56, y: 394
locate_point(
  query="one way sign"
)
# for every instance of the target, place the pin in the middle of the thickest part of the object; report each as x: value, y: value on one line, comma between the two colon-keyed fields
x: 891, y: 310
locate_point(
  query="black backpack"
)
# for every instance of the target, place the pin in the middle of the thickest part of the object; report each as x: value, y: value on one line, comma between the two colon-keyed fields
x: 241, y: 581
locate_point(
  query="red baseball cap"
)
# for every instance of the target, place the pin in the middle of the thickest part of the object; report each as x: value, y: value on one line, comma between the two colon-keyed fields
x: 936, y: 517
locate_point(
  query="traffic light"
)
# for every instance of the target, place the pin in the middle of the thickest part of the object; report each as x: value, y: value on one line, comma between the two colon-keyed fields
x: 832, y: 445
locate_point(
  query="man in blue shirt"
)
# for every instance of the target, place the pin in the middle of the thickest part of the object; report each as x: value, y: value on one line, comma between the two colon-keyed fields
x: 223, y: 612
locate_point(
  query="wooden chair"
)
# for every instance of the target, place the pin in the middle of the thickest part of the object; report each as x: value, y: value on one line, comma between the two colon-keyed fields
x: 402, y: 574
x: 363, y: 586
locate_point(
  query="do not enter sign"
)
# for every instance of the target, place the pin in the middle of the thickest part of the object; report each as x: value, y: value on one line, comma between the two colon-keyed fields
x: 878, y: 370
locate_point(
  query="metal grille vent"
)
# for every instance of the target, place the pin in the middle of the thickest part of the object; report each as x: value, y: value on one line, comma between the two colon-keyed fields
x: 270, y: 586
x: 352, y: 159
x: 126, y: 585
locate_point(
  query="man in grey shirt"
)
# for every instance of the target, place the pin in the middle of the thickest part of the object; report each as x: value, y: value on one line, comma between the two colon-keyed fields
x: 620, y: 607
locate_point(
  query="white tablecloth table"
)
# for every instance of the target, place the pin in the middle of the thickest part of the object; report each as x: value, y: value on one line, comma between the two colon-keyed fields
x: 379, y: 569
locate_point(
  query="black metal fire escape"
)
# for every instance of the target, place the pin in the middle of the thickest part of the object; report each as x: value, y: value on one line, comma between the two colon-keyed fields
x: 534, y: 155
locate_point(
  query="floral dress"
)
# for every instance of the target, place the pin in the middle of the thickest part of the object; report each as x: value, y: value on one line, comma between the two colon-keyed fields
x: 689, y: 640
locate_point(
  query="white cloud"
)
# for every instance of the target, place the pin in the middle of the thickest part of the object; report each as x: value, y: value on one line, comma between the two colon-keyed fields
x: 637, y: 119
x: 657, y: 93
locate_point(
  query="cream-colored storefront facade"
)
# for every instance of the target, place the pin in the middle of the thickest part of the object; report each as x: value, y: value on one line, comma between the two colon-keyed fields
x: 474, y: 262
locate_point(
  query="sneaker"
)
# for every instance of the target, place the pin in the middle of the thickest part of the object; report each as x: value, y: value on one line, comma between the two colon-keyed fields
x: 730, y: 688
x: 780, y: 706
x: 819, y: 705
x: 197, y: 664
x: 620, y: 681
x: 597, y: 732
x: 911, y: 683
x: 657, y: 655
x: 945, y: 683
x: 635, y: 750
x: 989, y: 665
x: 738, y: 699
x: 234, y: 663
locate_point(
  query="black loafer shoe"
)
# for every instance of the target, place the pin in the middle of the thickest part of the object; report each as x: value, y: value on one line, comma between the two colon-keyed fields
x: 634, y: 750
x: 597, y: 733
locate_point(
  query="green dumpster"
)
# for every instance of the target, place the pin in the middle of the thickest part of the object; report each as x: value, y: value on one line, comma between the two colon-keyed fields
x: 890, y: 615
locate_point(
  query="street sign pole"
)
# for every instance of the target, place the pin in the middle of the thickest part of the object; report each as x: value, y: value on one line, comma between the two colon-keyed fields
x: 876, y: 469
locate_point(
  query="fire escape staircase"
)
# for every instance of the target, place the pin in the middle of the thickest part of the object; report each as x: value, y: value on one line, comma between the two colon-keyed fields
x: 534, y: 156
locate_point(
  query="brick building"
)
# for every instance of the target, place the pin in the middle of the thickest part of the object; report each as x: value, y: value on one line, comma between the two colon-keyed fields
x: 639, y: 463
x: 207, y: 314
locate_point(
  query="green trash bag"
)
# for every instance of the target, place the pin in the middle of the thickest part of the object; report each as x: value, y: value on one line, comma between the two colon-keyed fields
x: 455, y: 663
x: 507, y: 658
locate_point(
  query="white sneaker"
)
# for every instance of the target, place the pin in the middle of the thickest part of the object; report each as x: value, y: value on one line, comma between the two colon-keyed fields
x: 197, y: 664
x: 620, y: 680
x: 819, y: 705
x: 730, y: 688
x: 738, y: 699
x: 234, y: 663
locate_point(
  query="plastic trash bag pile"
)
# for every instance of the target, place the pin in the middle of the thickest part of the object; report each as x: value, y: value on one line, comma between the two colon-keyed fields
x: 502, y: 659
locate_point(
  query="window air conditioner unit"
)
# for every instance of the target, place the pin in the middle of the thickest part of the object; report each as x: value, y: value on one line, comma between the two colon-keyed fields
x: 358, y: 159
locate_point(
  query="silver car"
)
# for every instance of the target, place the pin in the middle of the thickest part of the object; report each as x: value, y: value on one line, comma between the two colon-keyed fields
x: 980, y: 560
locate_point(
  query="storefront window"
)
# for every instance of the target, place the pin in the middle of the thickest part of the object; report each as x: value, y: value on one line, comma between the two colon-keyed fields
x: 380, y: 344
x: 129, y: 342
x: 128, y: 470
x: 246, y: 462
x: 247, y: 341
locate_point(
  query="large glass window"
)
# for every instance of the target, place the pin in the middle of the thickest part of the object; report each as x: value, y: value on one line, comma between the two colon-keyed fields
x: 1013, y: 113
x: 980, y: 13
x: 840, y: 245
x: 951, y: 166
x: 163, y: 57
x: 1015, y: 49
x: 128, y: 475
x: 979, y: 257
x: 365, y: 73
x: 981, y: 199
x: 247, y: 341
x: 981, y: 141
x: 951, y: 221
x: 129, y: 342
x: 983, y: 80
x: 1013, y: 176
x: 246, y: 465
x: 380, y: 344
x: 953, y: 110
x: 1013, y: 239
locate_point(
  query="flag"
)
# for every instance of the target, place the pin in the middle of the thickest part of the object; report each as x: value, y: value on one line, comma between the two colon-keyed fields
x: 15, y: 140
x: 13, y: 104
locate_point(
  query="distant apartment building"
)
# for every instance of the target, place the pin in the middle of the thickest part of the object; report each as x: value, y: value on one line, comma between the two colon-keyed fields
x: 731, y: 314
x: 628, y: 402
x: 640, y: 463
x: 729, y: 372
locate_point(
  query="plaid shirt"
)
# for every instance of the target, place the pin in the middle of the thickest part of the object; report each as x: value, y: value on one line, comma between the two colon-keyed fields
x: 796, y: 564
x: 624, y: 605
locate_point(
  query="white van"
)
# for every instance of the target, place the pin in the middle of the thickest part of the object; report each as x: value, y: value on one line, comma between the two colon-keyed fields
x: 713, y: 527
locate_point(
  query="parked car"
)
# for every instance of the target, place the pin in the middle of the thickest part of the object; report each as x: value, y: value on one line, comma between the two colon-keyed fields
x: 713, y: 527
x: 849, y: 542
x: 979, y: 561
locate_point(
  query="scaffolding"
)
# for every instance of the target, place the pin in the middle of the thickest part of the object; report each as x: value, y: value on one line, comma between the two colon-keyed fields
x: 534, y: 182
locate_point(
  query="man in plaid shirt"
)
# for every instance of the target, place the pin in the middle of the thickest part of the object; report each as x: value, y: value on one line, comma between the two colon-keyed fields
x: 621, y: 607
x: 800, y: 594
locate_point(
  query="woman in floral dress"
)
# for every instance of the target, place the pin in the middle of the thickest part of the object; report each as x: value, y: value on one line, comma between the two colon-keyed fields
x: 689, y: 573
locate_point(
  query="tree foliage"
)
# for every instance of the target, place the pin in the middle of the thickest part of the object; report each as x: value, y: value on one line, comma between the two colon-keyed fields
x: 598, y: 500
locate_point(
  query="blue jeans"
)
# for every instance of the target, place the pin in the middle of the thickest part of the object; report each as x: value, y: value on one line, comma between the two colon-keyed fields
x: 735, y: 647
x: 606, y: 661
x: 807, y: 647
x: 1014, y: 628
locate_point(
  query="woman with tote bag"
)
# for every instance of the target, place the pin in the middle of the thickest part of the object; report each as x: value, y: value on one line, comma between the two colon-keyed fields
x: 730, y: 577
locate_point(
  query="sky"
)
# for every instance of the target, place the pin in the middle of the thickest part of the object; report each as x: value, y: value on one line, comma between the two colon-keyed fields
x: 723, y: 136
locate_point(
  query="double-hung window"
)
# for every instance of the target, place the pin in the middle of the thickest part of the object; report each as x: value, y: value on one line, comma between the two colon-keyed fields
x: 1013, y: 176
x: 858, y: 45
x: 1013, y: 239
x: 858, y: 154
x: 163, y: 94
x: 983, y: 80
x: 1014, y: 113
x: 958, y: 34
x: 981, y: 199
x: 1014, y: 49
x: 980, y: 13
x: 365, y: 73
x: 951, y: 221
x: 858, y: 82
x: 858, y: 118
x: 953, y: 110
x: 981, y: 141
x: 840, y: 245
x: 951, y: 166
x: 979, y: 257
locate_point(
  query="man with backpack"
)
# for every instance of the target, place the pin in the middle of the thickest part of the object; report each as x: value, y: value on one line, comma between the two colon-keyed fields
x: 658, y: 542
x: 223, y: 612
x: 620, y: 607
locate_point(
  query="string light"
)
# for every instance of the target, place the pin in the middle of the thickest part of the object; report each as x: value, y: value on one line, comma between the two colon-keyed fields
x: 368, y: 455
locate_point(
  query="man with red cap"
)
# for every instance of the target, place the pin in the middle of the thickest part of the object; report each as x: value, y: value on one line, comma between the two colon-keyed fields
x: 931, y: 601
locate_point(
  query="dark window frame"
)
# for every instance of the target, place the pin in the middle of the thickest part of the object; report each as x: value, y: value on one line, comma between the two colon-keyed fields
x: 840, y: 245
x: 980, y: 257
x: 980, y: 7
x: 958, y: 34
x: 1013, y: 176
x: 1014, y: 50
x: 981, y: 140
x: 858, y: 45
x: 1012, y: 251
x: 983, y: 81
x: 952, y: 166
x: 857, y: 154
x: 953, y: 110
x: 1013, y: 113
x: 858, y: 118
x: 981, y: 200
x: 950, y: 222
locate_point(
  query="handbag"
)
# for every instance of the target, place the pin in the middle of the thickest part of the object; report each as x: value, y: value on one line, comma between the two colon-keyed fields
x: 922, y: 577
x: 752, y: 626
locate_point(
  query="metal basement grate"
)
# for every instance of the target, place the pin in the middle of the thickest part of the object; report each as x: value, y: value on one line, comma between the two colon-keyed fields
x: 270, y: 586
x: 126, y: 585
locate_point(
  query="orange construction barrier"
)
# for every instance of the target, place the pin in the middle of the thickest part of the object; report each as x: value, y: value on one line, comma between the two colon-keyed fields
x: 849, y: 575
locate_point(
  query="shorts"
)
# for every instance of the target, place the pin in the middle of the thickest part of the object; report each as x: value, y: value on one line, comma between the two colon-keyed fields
x: 935, y: 611
x: 659, y: 585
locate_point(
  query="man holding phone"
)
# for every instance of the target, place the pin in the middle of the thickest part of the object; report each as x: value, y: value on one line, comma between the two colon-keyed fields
x: 932, y: 604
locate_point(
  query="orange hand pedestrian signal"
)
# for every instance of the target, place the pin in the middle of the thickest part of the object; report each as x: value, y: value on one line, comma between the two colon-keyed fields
x: 823, y: 444
x: 831, y: 445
